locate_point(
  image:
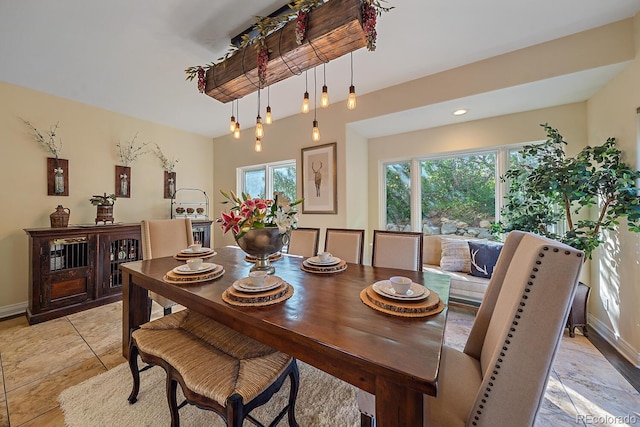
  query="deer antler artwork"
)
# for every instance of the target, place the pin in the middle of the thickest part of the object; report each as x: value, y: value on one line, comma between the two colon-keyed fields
x: 317, y: 177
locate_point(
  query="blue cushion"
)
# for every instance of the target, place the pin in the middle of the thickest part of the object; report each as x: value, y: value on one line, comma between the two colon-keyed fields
x: 484, y: 256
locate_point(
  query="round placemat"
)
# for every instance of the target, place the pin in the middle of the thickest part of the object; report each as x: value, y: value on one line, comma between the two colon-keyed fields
x: 184, y: 257
x: 275, y: 296
x: 341, y: 266
x: 432, y: 305
x: 186, y: 280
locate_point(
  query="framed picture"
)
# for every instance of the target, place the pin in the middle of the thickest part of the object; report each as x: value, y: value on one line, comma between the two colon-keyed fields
x: 319, y: 183
x: 123, y: 181
x: 57, y: 177
x: 169, y: 184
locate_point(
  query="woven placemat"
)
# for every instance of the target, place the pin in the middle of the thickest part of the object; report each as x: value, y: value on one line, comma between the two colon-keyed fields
x: 273, y: 296
x: 428, y: 307
x: 189, y: 279
x: 341, y: 266
x: 272, y: 257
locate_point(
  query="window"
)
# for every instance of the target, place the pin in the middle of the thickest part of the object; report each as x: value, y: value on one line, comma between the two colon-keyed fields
x: 263, y: 180
x: 446, y: 194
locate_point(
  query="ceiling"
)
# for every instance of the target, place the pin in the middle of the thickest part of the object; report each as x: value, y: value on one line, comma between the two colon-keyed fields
x: 129, y: 57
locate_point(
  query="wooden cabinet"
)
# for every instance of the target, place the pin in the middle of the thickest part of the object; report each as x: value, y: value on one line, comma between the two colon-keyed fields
x: 76, y: 268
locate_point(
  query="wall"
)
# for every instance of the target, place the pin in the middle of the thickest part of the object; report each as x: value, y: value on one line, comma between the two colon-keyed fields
x: 615, y: 285
x: 89, y: 137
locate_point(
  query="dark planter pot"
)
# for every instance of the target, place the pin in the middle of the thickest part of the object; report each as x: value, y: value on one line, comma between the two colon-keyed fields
x: 105, y: 214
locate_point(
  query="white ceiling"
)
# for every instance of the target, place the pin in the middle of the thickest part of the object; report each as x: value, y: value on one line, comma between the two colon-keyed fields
x: 129, y: 57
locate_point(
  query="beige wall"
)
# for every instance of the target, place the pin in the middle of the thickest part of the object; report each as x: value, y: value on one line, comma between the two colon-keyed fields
x: 615, y: 286
x: 89, y: 138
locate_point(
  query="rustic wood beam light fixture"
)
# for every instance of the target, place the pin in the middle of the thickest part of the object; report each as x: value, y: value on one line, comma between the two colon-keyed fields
x: 333, y: 29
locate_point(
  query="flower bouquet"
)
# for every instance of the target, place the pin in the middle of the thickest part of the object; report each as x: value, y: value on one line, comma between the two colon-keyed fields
x: 259, y: 226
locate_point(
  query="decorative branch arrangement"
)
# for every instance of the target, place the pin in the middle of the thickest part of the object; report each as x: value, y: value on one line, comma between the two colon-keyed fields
x: 48, y: 140
x: 167, y: 165
x: 130, y: 151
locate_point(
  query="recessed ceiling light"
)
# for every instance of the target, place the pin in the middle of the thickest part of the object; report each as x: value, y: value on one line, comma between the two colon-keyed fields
x: 460, y: 112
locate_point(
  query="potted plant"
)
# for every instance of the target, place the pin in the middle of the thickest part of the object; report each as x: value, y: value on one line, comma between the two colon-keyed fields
x: 104, y: 205
x: 546, y: 187
x: 552, y: 194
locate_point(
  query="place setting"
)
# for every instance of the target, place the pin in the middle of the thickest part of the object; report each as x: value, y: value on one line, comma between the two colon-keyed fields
x: 194, y: 270
x: 258, y: 289
x: 195, y: 250
x: 323, y: 263
x: 400, y: 296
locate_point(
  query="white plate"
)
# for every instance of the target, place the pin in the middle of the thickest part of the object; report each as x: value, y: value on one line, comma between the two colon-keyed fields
x: 315, y: 260
x: 245, y: 285
x: 415, y: 292
x: 195, y: 251
x: 184, y: 269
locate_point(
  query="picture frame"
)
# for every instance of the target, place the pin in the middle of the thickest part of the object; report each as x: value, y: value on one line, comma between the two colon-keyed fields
x: 319, y: 179
x: 169, y: 184
x: 123, y: 182
x: 57, y: 177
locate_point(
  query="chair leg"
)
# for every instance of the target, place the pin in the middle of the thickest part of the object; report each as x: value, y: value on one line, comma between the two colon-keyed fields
x: 135, y: 372
x: 167, y: 311
x: 235, y: 415
x: 294, y: 377
x: 367, y: 420
x: 172, y: 387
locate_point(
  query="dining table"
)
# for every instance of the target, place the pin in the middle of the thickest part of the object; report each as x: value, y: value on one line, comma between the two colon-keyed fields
x: 324, y: 323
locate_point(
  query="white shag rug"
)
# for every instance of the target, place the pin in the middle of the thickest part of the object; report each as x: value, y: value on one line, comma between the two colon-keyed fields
x: 102, y: 401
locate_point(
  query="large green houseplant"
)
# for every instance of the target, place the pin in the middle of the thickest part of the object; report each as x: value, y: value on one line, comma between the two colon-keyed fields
x: 552, y: 194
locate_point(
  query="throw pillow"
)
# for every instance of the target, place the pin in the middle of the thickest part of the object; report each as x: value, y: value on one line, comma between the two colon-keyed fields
x: 484, y: 256
x: 455, y: 255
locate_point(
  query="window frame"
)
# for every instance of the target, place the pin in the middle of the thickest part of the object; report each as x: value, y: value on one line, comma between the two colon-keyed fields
x: 268, y: 177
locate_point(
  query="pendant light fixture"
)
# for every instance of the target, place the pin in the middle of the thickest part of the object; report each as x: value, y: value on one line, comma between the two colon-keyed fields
x: 267, y: 117
x: 351, y: 100
x: 305, y: 99
x: 324, y: 99
x: 315, y: 133
x: 259, y: 128
x: 232, y: 124
x: 236, y: 131
x: 258, y: 146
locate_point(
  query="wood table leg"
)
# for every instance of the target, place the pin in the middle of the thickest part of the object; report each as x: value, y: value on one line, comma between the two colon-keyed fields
x: 397, y: 405
x: 135, y: 300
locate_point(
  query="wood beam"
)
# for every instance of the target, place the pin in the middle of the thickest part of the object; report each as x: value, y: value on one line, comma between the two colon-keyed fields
x: 333, y: 29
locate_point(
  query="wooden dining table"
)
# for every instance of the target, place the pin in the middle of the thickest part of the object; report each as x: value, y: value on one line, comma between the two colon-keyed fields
x: 324, y: 323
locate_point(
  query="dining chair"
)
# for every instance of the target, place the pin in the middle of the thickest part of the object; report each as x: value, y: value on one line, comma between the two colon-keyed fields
x: 501, y: 375
x: 162, y: 238
x: 303, y: 241
x: 345, y: 243
x: 397, y: 249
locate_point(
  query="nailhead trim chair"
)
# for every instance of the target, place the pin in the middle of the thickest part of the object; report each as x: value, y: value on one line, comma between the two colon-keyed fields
x: 501, y: 376
x: 217, y: 368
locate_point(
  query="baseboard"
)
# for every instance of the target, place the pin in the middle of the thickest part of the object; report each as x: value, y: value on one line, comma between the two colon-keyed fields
x: 13, y: 309
x: 620, y: 345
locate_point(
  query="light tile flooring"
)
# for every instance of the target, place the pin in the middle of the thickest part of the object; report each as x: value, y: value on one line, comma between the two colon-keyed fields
x: 38, y: 362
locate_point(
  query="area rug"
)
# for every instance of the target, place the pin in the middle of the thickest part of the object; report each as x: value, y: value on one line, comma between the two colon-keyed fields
x: 102, y: 402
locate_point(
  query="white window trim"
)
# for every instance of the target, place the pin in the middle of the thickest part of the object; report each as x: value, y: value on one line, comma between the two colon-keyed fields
x: 268, y: 169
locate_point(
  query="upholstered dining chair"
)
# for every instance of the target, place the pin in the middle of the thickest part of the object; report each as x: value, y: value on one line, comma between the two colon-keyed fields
x: 303, y: 241
x: 397, y: 249
x: 501, y: 375
x: 162, y: 238
x: 345, y: 243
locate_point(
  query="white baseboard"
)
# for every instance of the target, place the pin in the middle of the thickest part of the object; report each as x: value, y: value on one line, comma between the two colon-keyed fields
x: 12, y: 310
x: 618, y: 343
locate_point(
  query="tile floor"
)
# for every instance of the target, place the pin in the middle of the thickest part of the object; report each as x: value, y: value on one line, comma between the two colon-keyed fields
x: 40, y: 361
